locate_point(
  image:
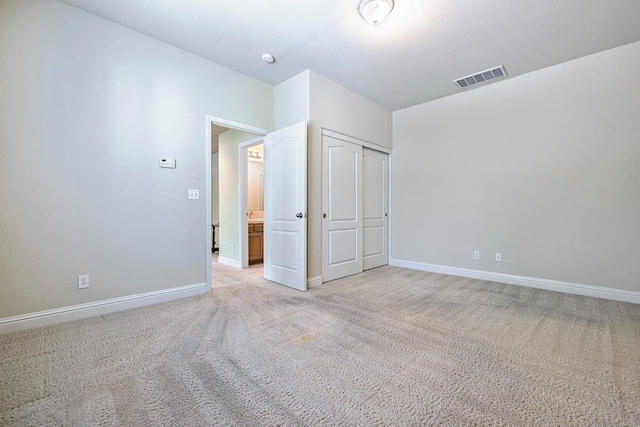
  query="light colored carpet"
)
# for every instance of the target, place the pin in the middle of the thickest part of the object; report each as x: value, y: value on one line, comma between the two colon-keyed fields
x: 387, y: 347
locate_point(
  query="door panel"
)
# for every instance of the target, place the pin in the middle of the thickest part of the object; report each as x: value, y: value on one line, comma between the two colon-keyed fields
x: 373, y: 241
x: 342, y: 208
x: 341, y: 247
x: 288, y: 243
x: 285, y: 206
x: 375, y: 208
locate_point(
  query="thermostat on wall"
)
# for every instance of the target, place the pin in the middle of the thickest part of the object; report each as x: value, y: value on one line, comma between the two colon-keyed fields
x: 168, y: 163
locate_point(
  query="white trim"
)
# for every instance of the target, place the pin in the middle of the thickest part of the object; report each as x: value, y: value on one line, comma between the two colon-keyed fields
x: 82, y: 311
x: 390, y: 234
x: 235, y: 125
x: 313, y: 282
x: 357, y: 141
x: 251, y: 142
x: 243, y: 247
x: 208, y: 216
x: 532, y: 282
x: 228, y: 261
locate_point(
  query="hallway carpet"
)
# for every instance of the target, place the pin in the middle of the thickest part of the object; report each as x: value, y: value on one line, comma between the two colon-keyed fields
x: 387, y: 347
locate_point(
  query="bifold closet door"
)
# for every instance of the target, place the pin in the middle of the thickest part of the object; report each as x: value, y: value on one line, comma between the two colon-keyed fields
x: 375, y: 190
x: 342, y: 208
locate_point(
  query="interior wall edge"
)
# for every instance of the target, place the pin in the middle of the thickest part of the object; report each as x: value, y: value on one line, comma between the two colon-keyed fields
x: 315, y: 281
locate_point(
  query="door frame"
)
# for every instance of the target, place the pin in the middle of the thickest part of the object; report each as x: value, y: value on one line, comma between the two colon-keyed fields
x: 243, y: 193
x: 231, y: 124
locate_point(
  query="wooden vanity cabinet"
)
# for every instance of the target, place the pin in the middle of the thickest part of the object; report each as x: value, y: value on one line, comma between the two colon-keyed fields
x: 256, y: 243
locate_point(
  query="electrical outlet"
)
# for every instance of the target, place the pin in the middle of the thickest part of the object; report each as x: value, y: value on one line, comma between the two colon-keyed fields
x: 476, y: 254
x: 233, y: 247
x: 83, y: 281
x: 498, y: 257
x: 194, y: 194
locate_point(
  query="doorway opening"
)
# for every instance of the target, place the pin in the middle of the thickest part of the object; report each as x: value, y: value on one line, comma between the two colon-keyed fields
x: 285, y: 199
x: 222, y: 206
x: 252, y: 199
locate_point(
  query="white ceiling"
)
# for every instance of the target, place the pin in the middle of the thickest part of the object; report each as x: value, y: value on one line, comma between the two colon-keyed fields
x: 410, y: 58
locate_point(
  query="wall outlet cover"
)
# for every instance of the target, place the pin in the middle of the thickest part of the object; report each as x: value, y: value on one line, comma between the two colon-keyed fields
x: 83, y: 281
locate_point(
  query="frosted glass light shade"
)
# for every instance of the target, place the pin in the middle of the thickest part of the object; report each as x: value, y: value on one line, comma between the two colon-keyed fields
x: 375, y: 11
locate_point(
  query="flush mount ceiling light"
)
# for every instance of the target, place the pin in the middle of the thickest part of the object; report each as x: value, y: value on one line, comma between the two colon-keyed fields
x: 268, y: 58
x: 375, y: 11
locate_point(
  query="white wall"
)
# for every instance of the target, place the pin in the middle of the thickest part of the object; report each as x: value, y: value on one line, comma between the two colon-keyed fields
x: 87, y: 109
x: 291, y: 101
x: 544, y: 167
x: 338, y: 109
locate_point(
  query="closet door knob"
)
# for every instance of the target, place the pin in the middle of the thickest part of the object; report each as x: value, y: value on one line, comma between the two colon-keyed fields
x: 299, y: 215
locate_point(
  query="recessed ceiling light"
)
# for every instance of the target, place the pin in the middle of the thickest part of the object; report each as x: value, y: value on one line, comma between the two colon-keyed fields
x: 375, y: 11
x: 268, y: 58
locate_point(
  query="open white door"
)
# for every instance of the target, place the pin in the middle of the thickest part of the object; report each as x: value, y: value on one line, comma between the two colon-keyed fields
x: 375, y: 183
x: 341, y: 208
x: 285, y: 206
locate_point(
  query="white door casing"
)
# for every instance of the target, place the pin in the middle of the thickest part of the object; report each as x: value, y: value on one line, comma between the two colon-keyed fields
x: 375, y: 207
x: 285, y: 206
x: 342, y: 208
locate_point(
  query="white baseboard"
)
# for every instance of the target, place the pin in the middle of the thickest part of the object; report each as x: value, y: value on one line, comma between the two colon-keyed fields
x: 230, y: 262
x: 313, y: 282
x: 532, y: 282
x: 82, y: 311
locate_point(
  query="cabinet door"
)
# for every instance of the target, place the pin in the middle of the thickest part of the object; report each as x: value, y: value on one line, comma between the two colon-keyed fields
x: 255, y: 246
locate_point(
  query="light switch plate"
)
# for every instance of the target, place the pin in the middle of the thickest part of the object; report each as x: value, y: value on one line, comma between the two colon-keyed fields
x: 167, y: 163
x: 194, y: 194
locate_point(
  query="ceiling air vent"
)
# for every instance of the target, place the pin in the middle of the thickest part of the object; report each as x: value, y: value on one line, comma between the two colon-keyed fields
x: 481, y: 77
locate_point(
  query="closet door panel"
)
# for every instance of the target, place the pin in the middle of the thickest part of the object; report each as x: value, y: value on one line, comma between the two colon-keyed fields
x: 342, y: 208
x: 375, y: 182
